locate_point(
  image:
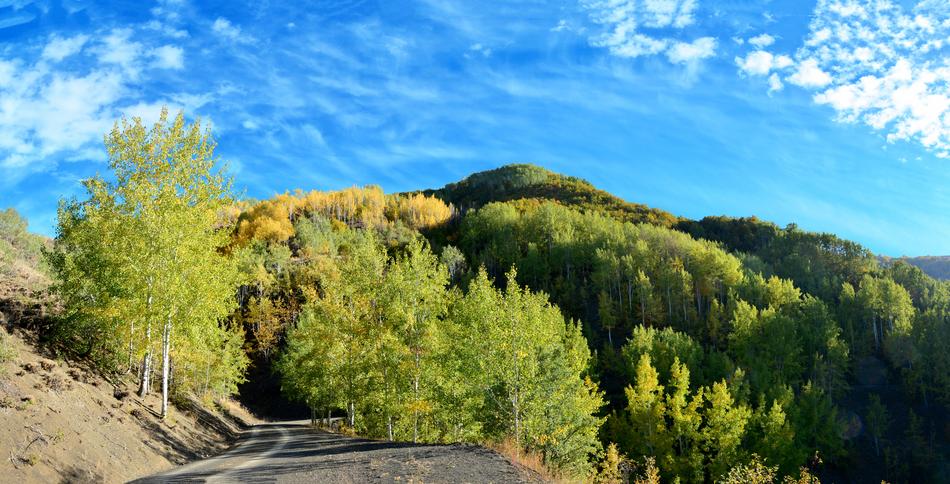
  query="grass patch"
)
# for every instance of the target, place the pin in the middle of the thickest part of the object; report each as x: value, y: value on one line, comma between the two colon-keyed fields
x: 7, y: 353
x: 529, y: 460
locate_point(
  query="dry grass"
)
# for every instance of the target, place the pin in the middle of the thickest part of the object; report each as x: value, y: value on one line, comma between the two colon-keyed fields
x: 533, y: 461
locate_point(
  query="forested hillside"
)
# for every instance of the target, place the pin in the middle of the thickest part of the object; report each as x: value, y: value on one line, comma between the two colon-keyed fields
x: 517, y: 182
x: 935, y: 266
x: 712, y: 341
x: 515, y: 306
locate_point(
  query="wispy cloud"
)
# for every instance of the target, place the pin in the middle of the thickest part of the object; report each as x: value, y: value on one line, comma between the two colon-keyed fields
x: 227, y: 30
x: 60, y: 48
x: 635, y: 28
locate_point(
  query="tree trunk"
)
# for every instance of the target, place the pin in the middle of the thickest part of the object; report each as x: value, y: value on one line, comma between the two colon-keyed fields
x: 877, y: 342
x: 389, y: 427
x: 147, y: 357
x: 146, y: 374
x: 166, y: 347
x: 415, y: 390
x: 669, y: 304
x: 144, y: 386
x: 131, y: 335
x: 643, y: 308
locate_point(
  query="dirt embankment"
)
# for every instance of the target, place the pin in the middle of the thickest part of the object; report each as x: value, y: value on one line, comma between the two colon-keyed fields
x: 61, y: 422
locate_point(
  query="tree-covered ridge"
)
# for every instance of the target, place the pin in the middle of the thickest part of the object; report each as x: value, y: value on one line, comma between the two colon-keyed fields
x: 768, y: 323
x: 524, y: 181
x: 934, y: 266
x: 756, y: 347
x: 818, y: 262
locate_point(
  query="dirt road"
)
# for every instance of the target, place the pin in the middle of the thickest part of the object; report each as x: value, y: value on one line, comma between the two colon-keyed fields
x: 293, y: 452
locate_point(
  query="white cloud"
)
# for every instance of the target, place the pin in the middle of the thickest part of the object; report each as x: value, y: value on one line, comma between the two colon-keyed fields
x: 809, y: 74
x: 682, y: 52
x: 117, y: 48
x: 149, y: 112
x: 635, y: 28
x: 761, y: 62
x: 762, y: 41
x: 166, y: 29
x: 59, y: 111
x: 168, y: 57
x: 60, y: 48
x: 775, y: 83
x: 757, y: 63
x: 877, y: 63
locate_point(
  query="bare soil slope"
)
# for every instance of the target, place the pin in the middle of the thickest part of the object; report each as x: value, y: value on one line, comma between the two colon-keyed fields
x: 64, y: 423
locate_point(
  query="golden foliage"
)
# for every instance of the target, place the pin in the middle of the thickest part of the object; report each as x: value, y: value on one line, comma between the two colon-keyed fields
x: 419, y: 211
x: 610, y: 471
x: 268, y: 221
x: 353, y: 206
x: 368, y: 207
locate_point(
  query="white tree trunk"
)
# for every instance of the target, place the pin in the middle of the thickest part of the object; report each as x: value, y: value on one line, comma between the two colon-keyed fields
x: 144, y: 386
x: 166, y: 347
x: 131, y: 336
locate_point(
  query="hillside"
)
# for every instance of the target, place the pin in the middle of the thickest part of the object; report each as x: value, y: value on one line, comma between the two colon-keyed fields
x: 773, y: 324
x: 937, y: 266
x: 64, y: 420
x: 530, y: 182
x: 22, y: 270
x: 60, y: 421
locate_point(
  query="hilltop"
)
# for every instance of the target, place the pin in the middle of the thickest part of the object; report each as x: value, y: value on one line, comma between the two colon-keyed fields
x: 531, y: 182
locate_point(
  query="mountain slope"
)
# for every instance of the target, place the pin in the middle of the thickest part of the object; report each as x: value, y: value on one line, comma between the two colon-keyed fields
x: 936, y: 266
x: 523, y: 181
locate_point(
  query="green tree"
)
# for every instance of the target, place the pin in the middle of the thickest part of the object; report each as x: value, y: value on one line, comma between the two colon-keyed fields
x: 725, y: 428
x: 159, y: 248
x: 646, y: 410
x: 684, y: 417
x: 414, y: 304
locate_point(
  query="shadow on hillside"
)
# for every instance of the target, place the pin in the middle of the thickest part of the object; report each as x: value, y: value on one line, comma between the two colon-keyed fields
x: 76, y: 475
x: 180, y: 448
x: 863, y: 462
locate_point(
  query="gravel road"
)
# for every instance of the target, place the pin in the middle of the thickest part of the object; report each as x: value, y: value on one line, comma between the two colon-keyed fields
x: 293, y: 452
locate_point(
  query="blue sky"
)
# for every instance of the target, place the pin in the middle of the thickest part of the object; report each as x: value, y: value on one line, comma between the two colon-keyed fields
x: 834, y: 115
